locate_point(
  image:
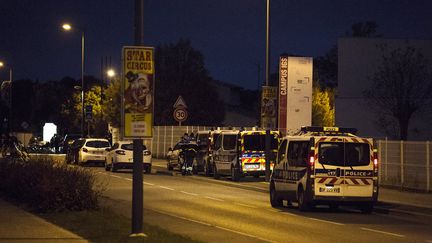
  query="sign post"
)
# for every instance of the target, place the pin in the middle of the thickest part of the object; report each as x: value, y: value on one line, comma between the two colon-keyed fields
x: 180, y: 113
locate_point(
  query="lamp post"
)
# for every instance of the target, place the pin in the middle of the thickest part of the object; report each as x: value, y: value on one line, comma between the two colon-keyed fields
x: 68, y: 27
x: 10, y: 94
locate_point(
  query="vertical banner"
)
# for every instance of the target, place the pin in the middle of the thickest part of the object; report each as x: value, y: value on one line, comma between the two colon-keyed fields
x: 138, y: 91
x: 283, y: 84
x: 268, y: 107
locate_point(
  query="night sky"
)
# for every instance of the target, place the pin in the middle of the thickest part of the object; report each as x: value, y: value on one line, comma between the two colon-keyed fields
x: 230, y: 33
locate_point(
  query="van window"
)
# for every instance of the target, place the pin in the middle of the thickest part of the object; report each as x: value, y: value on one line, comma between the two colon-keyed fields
x: 257, y: 142
x: 281, y: 151
x: 229, y: 142
x: 344, y: 154
x: 217, y: 143
x: 298, y: 153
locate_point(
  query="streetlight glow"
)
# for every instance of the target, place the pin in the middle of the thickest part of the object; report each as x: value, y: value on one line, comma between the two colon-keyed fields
x: 111, y: 73
x: 66, y: 26
x: 1, y: 64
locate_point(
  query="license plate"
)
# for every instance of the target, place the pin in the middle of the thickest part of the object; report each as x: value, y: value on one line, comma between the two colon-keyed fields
x: 330, y: 189
x: 252, y: 166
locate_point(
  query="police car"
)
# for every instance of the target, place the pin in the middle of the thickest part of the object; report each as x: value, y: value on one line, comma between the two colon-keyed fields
x: 325, y: 165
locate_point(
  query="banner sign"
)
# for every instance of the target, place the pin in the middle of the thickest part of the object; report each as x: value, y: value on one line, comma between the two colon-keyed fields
x: 268, y: 107
x: 138, y: 91
x: 283, y: 84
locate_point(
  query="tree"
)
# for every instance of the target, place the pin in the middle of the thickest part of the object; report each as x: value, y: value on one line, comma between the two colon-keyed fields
x: 112, y: 104
x: 322, y: 107
x: 180, y: 70
x: 401, y: 88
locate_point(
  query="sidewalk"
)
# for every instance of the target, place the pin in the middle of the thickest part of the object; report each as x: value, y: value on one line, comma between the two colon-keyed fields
x: 399, y: 197
x: 17, y: 225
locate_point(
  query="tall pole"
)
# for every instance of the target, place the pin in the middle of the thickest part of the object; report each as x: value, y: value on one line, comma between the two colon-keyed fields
x: 82, y: 83
x: 10, y: 100
x: 268, y: 44
x: 137, y: 177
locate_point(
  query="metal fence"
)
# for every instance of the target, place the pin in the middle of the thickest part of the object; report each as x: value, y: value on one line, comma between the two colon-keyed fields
x: 405, y: 164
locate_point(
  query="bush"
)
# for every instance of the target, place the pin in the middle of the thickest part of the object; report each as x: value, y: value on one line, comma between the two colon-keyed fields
x: 48, y: 186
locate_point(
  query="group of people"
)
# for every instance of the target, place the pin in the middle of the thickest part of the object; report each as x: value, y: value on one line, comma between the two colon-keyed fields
x: 188, y: 153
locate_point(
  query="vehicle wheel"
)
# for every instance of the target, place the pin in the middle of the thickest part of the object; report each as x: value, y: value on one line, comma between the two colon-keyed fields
x: 302, y: 204
x: 366, y: 208
x: 206, y: 169
x: 275, y: 201
x: 113, y: 167
x: 107, y: 168
x: 235, y: 174
x: 215, y: 173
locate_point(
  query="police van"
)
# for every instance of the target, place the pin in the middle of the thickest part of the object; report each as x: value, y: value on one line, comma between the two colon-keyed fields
x: 240, y: 153
x: 325, y: 165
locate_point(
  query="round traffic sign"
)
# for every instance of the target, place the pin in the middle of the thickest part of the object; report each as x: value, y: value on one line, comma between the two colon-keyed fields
x: 180, y: 114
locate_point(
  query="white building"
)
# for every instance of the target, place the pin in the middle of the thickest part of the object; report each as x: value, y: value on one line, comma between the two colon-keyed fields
x: 358, y: 60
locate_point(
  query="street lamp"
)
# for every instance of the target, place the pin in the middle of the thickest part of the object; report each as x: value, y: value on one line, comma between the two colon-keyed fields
x: 68, y: 27
x: 10, y: 94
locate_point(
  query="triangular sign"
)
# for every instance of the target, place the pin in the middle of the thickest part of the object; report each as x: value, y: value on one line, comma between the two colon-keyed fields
x: 180, y: 102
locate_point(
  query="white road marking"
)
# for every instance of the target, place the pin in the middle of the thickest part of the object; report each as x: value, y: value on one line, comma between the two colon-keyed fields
x: 383, y: 232
x: 216, y: 199
x: 150, y: 184
x: 189, y: 193
x: 180, y: 217
x: 325, y: 221
x: 245, y: 205
x: 128, y: 179
x: 164, y: 187
x: 245, y: 234
x: 116, y: 176
x: 265, y: 182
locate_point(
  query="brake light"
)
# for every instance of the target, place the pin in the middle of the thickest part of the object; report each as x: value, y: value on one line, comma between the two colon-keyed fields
x: 312, y: 158
x: 121, y: 152
x: 85, y: 150
x: 375, y: 161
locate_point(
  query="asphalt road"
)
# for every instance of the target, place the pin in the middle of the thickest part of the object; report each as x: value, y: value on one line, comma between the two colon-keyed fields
x: 222, y: 211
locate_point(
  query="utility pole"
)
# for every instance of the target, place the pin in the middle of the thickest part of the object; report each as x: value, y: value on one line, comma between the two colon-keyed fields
x: 137, y: 177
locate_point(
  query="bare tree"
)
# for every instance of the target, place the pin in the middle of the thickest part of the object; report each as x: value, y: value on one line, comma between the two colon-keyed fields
x: 401, y: 88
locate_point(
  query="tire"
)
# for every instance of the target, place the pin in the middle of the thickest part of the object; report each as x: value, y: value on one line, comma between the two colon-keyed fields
x: 215, y: 173
x: 148, y: 169
x: 366, y: 208
x: 235, y: 174
x: 302, y: 204
x: 113, y: 167
x: 275, y: 201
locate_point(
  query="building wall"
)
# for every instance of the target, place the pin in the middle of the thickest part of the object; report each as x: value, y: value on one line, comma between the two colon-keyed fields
x: 358, y: 60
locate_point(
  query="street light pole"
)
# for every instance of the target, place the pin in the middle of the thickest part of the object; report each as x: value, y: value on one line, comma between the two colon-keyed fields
x: 82, y: 84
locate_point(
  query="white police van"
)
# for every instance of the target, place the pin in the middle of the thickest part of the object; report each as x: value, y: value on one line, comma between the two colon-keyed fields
x: 325, y: 165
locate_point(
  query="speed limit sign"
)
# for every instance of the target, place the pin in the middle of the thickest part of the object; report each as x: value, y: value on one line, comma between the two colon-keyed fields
x: 180, y: 114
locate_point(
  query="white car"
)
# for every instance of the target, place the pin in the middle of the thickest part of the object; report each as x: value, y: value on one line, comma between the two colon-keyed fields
x: 91, y: 150
x: 120, y: 156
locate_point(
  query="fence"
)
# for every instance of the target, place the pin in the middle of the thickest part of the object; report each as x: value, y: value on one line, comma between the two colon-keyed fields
x: 405, y: 164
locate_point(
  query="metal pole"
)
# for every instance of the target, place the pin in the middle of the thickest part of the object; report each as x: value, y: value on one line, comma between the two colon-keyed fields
x: 10, y: 100
x: 137, y: 179
x: 267, y: 155
x: 268, y: 44
x: 427, y: 166
x: 82, y: 83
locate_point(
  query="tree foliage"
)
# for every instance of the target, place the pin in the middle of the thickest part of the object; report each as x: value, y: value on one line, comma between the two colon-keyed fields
x: 112, y: 106
x: 401, y: 88
x: 322, y: 107
x: 180, y: 70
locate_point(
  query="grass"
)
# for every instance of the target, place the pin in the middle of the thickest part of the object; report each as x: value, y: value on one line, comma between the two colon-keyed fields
x: 105, y: 226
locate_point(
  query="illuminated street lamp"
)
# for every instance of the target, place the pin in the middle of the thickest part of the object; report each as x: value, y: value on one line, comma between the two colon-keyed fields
x: 111, y: 73
x: 10, y: 93
x: 68, y: 27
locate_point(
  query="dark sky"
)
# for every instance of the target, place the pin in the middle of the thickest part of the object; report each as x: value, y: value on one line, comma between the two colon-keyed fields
x: 230, y: 33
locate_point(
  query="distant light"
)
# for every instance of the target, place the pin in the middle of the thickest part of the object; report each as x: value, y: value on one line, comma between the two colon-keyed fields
x: 1, y: 64
x: 67, y: 27
x: 111, y: 73
x: 49, y: 129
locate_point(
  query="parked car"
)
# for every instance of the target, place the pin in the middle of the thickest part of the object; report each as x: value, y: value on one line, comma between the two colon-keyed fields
x: 200, y: 163
x: 67, y: 141
x: 174, y: 158
x: 88, y: 150
x: 120, y: 156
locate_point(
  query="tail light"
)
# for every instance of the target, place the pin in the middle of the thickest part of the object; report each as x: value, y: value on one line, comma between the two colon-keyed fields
x: 121, y: 152
x: 146, y: 152
x: 85, y: 150
x: 312, y: 158
x: 375, y: 161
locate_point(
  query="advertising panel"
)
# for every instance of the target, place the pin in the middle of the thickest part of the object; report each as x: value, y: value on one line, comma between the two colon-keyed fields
x: 283, y: 84
x: 268, y: 107
x: 138, y: 91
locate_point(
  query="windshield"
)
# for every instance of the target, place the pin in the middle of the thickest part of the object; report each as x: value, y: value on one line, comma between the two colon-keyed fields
x: 344, y: 154
x: 128, y: 146
x: 257, y: 142
x: 98, y: 144
x: 229, y: 142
